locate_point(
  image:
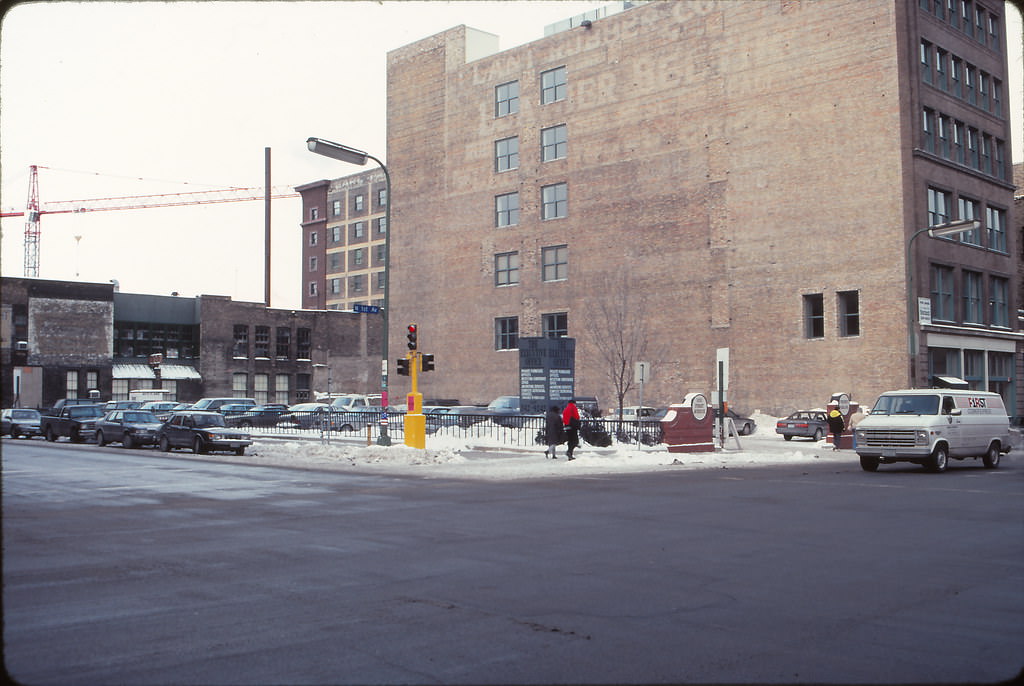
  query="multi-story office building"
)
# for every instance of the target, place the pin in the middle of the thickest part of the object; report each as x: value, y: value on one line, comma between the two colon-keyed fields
x: 741, y: 175
x: 344, y: 226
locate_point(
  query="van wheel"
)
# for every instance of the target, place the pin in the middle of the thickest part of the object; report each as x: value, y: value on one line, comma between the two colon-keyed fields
x: 991, y: 458
x: 869, y: 464
x: 939, y: 459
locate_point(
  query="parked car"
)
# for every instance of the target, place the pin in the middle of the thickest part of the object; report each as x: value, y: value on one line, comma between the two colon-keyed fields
x: 77, y: 422
x: 202, y: 432
x: 462, y: 416
x: 121, y: 405
x: 247, y: 417
x: 588, y: 404
x: 324, y: 417
x: 214, y: 404
x: 130, y: 428
x: 806, y: 423
x: 161, y: 408
x: 744, y: 425
x: 19, y: 421
x: 632, y: 412
x: 504, y: 411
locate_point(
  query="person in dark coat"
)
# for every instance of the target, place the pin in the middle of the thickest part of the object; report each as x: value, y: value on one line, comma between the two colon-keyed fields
x: 553, y: 431
x: 571, y: 423
x: 836, y: 424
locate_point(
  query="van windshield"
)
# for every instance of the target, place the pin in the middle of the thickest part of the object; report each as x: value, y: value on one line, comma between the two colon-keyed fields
x: 906, y: 404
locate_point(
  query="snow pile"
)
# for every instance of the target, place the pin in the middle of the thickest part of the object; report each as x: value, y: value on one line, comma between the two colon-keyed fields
x: 460, y: 455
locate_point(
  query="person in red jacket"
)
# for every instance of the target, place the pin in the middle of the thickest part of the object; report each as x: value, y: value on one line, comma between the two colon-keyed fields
x: 571, y: 422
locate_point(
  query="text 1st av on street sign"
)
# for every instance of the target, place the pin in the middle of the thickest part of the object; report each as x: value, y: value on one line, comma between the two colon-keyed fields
x: 366, y: 309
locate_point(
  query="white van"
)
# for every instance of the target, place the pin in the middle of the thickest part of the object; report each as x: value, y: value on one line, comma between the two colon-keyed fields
x: 929, y: 426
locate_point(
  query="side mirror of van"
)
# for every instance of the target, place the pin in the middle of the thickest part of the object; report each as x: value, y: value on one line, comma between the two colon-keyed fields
x: 956, y: 412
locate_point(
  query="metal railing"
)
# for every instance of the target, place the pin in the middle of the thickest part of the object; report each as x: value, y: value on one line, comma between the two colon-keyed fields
x: 512, y: 430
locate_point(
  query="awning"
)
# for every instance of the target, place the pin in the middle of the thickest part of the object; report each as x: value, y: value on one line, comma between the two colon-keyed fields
x: 171, y: 372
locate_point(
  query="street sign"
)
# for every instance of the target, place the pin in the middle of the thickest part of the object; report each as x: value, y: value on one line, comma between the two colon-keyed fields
x: 642, y: 372
x: 366, y: 309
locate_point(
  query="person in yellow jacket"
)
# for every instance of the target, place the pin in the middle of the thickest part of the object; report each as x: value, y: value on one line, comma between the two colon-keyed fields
x: 836, y: 424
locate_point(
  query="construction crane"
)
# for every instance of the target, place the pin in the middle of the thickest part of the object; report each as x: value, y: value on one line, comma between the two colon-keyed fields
x: 33, y: 209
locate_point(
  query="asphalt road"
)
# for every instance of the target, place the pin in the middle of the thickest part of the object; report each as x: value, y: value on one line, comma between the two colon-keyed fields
x: 132, y: 567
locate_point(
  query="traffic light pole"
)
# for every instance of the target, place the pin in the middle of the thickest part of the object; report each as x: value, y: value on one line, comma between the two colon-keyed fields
x: 415, y: 422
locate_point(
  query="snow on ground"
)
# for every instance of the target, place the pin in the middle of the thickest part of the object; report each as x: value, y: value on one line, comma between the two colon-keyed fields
x: 473, y: 457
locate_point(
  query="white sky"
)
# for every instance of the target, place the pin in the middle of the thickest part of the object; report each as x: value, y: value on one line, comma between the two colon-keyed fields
x: 137, y: 98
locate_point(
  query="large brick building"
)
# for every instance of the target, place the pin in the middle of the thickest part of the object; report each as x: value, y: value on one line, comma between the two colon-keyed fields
x: 753, y: 171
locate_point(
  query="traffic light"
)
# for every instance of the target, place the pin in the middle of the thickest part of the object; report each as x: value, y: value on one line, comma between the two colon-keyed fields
x: 403, y: 366
x: 428, y: 362
x: 411, y: 336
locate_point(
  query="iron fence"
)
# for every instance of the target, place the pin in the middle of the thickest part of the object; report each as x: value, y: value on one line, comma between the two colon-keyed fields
x: 512, y: 430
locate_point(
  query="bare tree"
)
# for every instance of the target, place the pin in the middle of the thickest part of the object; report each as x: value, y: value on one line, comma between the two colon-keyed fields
x: 618, y: 334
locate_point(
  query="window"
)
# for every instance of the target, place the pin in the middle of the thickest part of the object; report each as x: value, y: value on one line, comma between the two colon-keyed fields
x: 554, y: 201
x: 940, y: 69
x: 983, y: 91
x: 71, y: 383
x: 952, y: 7
x: 335, y: 261
x: 555, y: 263
x: 261, y: 388
x: 312, y: 288
x: 972, y: 298
x: 1000, y: 161
x: 979, y: 24
x: 382, y: 225
x: 999, y: 301
x: 995, y: 221
x: 358, y: 202
x: 966, y: 20
x: 312, y: 264
x: 239, y: 385
x: 942, y: 293
x: 506, y: 154
x: 552, y: 85
x: 848, y: 307
x: 506, y: 333
x: 336, y: 234
x: 938, y: 207
x: 814, y: 316
x: 336, y: 208
x: 986, y: 154
x: 92, y: 380
x: 926, y: 63
x: 993, y: 32
x: 555, y: 325
x: 970, y: 76
x: 973, y: 159
x: 382, y: 197
x: 997, y: 97
x: 1000, y: 375
x: 357, y: 257
x: 358, y: 230
x: 554, y: 143
x: 506, y: 99
x: 281, y: 389
x: 312, y: 237
x: 974, y: 369
x: 955, y: 71
x: 303, y: 343
x: 958, y: 142
x: 381, y: 253
x: 506, y: 210
x: 314, y: 213
x: 969, y: 209
x: 381, y: 277
x: 943, y: 147
x: 506, y: 269
x: 262, y: 341
x: 335, y: 286
x: 284, y: 342
x: 241, y: 348
x: 928, y: 129
x: 355, y: 284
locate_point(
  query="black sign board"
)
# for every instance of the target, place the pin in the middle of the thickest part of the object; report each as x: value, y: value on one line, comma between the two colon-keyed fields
x: 547, y: 373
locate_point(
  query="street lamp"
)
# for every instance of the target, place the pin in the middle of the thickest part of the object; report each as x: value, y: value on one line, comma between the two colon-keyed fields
x: 344, y: 153
x: 938, y: 231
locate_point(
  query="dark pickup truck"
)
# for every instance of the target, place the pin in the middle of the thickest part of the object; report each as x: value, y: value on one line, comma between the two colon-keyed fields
x: 77, y: 422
